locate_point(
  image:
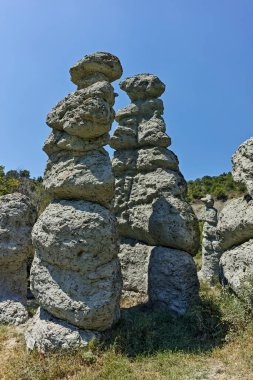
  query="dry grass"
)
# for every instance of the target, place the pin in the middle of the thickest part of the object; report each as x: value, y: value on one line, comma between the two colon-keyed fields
x: 214, y: 341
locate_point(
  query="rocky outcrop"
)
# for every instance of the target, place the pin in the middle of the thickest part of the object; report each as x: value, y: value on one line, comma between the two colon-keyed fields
x: 150, y: 200
x: 75, y: 274
x: 211, y: 250
x: 243, y: 165
x: 235, y: 228
x: 17, y: 216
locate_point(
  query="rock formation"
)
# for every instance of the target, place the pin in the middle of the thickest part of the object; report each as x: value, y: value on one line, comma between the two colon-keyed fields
x: 17, y: 216
x: 235, y: 227
x: 75, y: 275
x: 211, y: 251
x: 158, y: 228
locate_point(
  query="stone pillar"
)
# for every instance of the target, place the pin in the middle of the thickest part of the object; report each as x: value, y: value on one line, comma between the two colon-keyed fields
x: 17, y: 216
x: 159, y: 231
x: 75, y: 275
x: 211, y: 251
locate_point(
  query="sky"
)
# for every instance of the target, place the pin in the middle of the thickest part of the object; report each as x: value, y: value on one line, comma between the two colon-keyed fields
x: 201, y: 49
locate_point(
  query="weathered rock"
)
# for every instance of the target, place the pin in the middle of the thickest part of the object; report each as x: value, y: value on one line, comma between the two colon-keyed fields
x: 46, y: 332
x: 235, y: 229
x: 243, y: 165
x: 75, y: 274
x: 17, y: 216
x: 164, y: 277
x: 150, y: 200
x: 237, y: 268
x: 80, y: 176
x: 235, y: 224
x: 87, y: 119
x: 211, y: 250
x: 100, y: 65
x: 59, y: 141
x: 143, y: 86
x: 173, y: 281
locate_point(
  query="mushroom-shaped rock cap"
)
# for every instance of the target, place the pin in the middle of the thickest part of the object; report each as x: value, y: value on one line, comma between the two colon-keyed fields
x: 143, y: 86
x: 105, y: 64
x: 208, y: 200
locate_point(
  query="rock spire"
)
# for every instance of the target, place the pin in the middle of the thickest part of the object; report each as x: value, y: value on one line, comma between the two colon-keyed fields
x: 75, y: 275
x: 158, y: 229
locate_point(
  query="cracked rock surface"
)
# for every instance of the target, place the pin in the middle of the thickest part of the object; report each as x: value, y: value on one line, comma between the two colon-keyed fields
x: 150, y: 199
x: 17, y: 216
x: 75, y: 274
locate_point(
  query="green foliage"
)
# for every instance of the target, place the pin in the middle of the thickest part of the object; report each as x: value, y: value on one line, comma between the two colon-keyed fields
x: 20, y: 181
x: 221, y: 187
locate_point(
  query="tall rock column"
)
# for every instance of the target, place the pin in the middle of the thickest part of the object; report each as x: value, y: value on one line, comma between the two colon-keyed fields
x: 159, y: 231
x: 211, y: 251
x: 75, y: 275
x: 17, y: 216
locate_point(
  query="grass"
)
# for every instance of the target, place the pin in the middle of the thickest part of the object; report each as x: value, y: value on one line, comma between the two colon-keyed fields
x: 214, y: 340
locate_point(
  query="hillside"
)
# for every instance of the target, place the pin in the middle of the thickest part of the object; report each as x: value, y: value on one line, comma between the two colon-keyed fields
x: 222, y: 187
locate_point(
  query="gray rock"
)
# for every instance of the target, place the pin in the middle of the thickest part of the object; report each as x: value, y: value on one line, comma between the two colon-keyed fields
x: 59, y: 141
x: 143, y: 86
x: 243, y: 165
x: 143, y: 160
x: 211, y: 250
x: 85, y: 118
x: 75, y: 274
x: 78, y: 176
x: 237, y: 268
x: 99, y: 65
x: 235, y: 225
x: 173, y: 281
x: 17, y: 215
x: 150, y: 203
x: 165, y: 277
x: 47, y: 333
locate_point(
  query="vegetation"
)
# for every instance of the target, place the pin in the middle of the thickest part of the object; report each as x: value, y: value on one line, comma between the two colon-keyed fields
x: 20, y: 181
x: 221, y: 187
x: 213, y: 341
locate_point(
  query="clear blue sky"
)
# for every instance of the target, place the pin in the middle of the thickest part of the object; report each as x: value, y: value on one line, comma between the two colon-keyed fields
x: 201, y: 49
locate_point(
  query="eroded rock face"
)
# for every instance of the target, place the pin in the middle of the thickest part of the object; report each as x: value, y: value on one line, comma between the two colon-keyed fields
x: 17, y: 216
x: 235, y: 228
x: 243, y: 165
x: 150, y: 195
x: 163, y: 276
x: 75, y: 275
x: 211, y: 249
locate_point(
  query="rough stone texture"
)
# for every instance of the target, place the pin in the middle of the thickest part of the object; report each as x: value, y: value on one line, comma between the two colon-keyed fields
x: 237, y: 267
x: 75, y: 274
x: 83, y: 176
x: 45, y: 333
x: 243, y: 165
x: 17, y: 216
x: 150, y: 195
x: 235, y: 228
x: 236, y: 222
x: 211, y: 251
x: 166, y: 275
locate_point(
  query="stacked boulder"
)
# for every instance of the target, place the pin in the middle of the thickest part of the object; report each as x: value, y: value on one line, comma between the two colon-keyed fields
x: 235, y: 227
x: 211, y: 251
x: 17, y: 216
x: 158, y: 229
x: 75, y: 275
